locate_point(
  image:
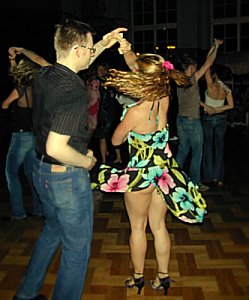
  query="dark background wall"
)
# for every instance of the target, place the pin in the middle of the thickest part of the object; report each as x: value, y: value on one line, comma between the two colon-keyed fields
x: 30, y: 24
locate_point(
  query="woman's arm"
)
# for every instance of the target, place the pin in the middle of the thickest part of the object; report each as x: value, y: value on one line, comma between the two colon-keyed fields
x: 217, y: 110
x: 125, y: 126
x: 11, y: 98
x: 163, y: 112
x: 211, y: 56
x: 129, y: 56
x: 12, y: 58
x: 31, y: 55
x: 209, y: 79
x: 229, y: 105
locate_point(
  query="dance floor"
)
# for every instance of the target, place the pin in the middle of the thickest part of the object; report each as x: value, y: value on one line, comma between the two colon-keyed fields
x: 208, y: 261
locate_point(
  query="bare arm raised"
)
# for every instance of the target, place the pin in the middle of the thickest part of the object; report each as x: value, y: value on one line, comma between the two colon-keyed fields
x: 11, y: 98
x: 29, y: 54
x: 107, y: 41
x: 129, y: 56
x: 209, y: 60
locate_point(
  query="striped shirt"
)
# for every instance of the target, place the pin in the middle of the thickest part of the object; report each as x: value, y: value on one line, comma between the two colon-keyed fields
x: 59, y: 105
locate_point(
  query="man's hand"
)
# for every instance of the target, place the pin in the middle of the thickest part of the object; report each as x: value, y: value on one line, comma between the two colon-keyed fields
x: 112, y: 37
x: 91, y: 161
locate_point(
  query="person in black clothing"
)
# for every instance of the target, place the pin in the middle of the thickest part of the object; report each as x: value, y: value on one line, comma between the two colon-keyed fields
x: 108, y: 117
x: 60, y: 173
x: 22, y: 144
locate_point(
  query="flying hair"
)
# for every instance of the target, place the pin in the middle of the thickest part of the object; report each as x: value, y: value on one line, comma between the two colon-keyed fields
x: 151, y: 80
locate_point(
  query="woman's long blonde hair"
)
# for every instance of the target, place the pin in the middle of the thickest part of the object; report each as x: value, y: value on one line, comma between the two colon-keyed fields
x: 150, y: 82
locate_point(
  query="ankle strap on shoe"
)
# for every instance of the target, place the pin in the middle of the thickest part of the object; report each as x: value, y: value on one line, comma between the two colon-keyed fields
x: 138, y: 273
x: 163, y: 273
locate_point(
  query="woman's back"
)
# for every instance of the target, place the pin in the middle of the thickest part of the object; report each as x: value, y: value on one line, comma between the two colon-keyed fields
x: 149, y: 116
x: 25, y: 96
x: 21, y: 110
x: 216, y: 91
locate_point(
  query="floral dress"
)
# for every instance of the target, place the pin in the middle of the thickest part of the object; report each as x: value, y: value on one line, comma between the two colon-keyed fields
x: 151, y: 163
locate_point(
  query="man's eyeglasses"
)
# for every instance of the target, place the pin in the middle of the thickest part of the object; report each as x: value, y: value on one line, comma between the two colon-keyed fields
x: 93, y: 50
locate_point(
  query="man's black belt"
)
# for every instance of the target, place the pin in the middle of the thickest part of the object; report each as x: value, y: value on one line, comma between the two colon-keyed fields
x: 46, y: 159
x: 22, y: 130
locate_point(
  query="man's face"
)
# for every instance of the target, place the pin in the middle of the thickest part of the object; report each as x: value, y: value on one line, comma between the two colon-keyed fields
x: 87, y: 51
x: 193, y: 68
x: 102, y: 71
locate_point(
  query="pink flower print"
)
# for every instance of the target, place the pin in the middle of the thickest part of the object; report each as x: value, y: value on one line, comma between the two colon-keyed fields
x: 165, y: 181
x: 187, y: 220
x: 132, y: 169
x: 167, y: 65
x: 168, y: 151
x: 116, y: 184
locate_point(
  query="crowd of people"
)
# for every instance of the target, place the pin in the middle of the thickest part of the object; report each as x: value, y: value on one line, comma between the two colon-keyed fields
x: 56, y: 116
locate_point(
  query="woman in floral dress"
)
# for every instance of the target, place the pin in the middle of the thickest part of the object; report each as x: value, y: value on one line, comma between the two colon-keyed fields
x: 152, y: 182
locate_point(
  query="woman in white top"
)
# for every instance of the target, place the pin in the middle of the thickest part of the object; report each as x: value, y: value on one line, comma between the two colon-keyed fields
x: 218, y: 99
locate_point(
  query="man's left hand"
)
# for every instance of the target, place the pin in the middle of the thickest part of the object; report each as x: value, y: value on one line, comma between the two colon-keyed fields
x: 112, y: 37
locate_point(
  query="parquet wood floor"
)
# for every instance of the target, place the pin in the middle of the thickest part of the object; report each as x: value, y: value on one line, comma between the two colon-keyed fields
x: 208, y: 262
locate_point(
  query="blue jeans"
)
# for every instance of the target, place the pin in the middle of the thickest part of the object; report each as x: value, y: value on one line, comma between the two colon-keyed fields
x: 190, y: 135
x: 21, y: 151
x: 68, y: 209
x: 214, y: 128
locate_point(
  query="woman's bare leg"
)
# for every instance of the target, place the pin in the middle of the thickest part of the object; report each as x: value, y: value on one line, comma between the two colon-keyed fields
x: 137, y: 206
x: 118, y: 156
x: 162, y: 244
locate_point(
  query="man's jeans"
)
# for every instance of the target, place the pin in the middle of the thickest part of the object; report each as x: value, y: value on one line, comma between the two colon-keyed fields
x: 214, y: 128
x: 21, y: 151
x: 68, y: 209
x: 190, y: 135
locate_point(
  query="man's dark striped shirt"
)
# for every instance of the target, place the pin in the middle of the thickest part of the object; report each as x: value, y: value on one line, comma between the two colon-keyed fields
x: 59, y: 105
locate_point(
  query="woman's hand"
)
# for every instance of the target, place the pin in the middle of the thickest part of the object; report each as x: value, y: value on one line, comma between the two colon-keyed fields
x: 124, y: 47
x: 208, y: 109
x: 12, y: 53
x: 217, y: 43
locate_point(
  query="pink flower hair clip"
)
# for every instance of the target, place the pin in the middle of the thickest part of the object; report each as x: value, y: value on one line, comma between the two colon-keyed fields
x: 167, y: 65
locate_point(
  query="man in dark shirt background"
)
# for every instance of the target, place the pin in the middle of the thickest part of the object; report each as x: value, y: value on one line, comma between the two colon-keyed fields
x: 61, y: 170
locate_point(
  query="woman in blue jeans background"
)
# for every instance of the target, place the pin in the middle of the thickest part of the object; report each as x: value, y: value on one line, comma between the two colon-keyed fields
x: 218, y: 99
x: 22, y: 144
x: 21, y: 151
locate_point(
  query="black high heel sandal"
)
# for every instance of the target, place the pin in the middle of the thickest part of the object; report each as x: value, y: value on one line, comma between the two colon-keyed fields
x: 164, y: 283
x: 135, y: 282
